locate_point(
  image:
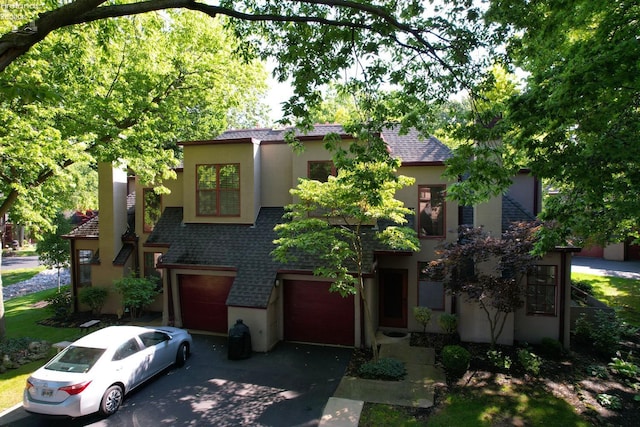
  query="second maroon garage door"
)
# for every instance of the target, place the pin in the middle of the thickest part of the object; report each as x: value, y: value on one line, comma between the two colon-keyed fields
x: 203, y: 300
x: 313, y: 314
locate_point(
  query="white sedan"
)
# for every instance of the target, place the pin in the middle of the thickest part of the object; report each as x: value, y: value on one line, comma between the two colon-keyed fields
x: 96, y: 372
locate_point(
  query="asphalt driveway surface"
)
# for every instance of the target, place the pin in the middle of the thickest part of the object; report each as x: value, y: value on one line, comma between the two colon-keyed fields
x: 287, y: 387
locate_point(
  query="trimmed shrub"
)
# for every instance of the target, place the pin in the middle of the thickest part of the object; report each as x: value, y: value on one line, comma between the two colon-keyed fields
x: 423, y: 316
x: 60, y: 304
x: 529, y: 361
x: 94, y: 297
x: 137, y: 293
x: 383, y: 369
x: 551, y: 347
x: 448, y: 323
x: 456, y: 360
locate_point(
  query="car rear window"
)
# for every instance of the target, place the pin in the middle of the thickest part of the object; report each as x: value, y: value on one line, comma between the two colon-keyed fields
x: 75, y: 359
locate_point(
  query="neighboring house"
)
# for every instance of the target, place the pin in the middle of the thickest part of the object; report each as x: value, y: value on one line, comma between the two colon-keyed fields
x: 210, y: 241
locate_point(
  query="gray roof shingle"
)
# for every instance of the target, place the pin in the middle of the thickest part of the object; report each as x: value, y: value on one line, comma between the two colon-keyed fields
x: 241, y: 247
x: 411, y: 147
x: 88, y: 230
x: 244, y: 248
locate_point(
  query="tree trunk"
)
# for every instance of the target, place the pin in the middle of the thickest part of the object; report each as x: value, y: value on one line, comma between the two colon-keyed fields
x: 368, y: 320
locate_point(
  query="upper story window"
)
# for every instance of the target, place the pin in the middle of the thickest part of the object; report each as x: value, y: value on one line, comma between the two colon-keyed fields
x: 151, y: 209
x: 218, y: 190
x: 321, y: 170
x: 541, y: 290
x: 432, y: 208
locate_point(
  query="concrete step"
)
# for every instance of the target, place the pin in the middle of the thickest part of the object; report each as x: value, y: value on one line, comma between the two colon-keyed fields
x: 341, y: 412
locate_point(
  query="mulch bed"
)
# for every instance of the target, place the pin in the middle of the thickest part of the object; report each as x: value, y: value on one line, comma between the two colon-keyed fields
x: 74, y: 320
x: 570, y: 377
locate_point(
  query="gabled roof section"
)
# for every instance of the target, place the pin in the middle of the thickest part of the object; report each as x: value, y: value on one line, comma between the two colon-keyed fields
x: 245, y: 249
x: 414, y: 149
x: 88, y: 230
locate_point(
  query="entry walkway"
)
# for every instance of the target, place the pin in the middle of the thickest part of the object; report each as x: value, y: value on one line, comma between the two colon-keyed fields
x: 416, y: 390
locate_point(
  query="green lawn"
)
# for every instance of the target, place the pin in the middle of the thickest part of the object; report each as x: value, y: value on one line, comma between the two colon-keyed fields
x: 20, y: 275
x: 621, y: 294
x: 488, y: 406
x: 22, y: 316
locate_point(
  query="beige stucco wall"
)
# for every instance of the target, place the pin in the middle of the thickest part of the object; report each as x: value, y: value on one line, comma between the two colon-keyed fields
x: 276, y: 174
x: 532, y: 328
x: 256, y: 320
x: 112, y: 193
x: 242, y: 153
x: 175, y: 198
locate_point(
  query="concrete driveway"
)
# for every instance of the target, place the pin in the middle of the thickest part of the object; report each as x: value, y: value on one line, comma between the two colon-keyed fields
x: 288, y: 386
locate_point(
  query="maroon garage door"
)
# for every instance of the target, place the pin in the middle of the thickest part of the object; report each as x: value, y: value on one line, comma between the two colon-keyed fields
x: 203, y: 302
x: 313, y: 314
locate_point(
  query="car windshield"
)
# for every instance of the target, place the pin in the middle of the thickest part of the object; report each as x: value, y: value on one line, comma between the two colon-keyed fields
x: 75, y: 359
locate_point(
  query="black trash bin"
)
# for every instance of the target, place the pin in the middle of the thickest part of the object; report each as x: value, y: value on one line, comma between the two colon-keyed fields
x: 239, y: 341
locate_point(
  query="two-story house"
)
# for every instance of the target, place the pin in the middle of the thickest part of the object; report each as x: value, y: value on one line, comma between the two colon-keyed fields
x: 210, y: 239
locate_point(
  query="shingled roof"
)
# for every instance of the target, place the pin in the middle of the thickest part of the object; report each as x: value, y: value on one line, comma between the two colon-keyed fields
x: 88, y: 230
x: 411, y: 148
x: 243, y: 248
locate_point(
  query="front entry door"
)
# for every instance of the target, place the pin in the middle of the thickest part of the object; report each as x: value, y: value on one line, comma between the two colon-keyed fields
x: 393, y: 298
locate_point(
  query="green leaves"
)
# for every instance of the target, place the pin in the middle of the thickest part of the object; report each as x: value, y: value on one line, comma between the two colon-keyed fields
x: 577, y: 121
x: 329, y: 220
x: 127, y: 88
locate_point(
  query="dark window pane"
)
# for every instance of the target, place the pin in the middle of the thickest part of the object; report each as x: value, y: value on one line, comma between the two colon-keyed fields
x: 431, y: 205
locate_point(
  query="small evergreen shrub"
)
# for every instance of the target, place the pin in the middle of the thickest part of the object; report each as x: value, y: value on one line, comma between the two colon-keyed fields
x: 60, y: 304
x: 529, y: 361
x: 456, y: 360
x: 94, y: 297
x: 551, y: 347
x: 423, y: 316
x: 448, y: 323
x: 384, y: 369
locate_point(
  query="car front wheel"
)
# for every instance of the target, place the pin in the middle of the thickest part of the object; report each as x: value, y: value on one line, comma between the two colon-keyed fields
x: 111, y: 400
x: 183, y: 354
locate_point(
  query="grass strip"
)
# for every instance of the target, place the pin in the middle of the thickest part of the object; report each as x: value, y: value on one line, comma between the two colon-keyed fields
x: 623, y: 295
x: 12, y: 277
x: 22, y: 315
